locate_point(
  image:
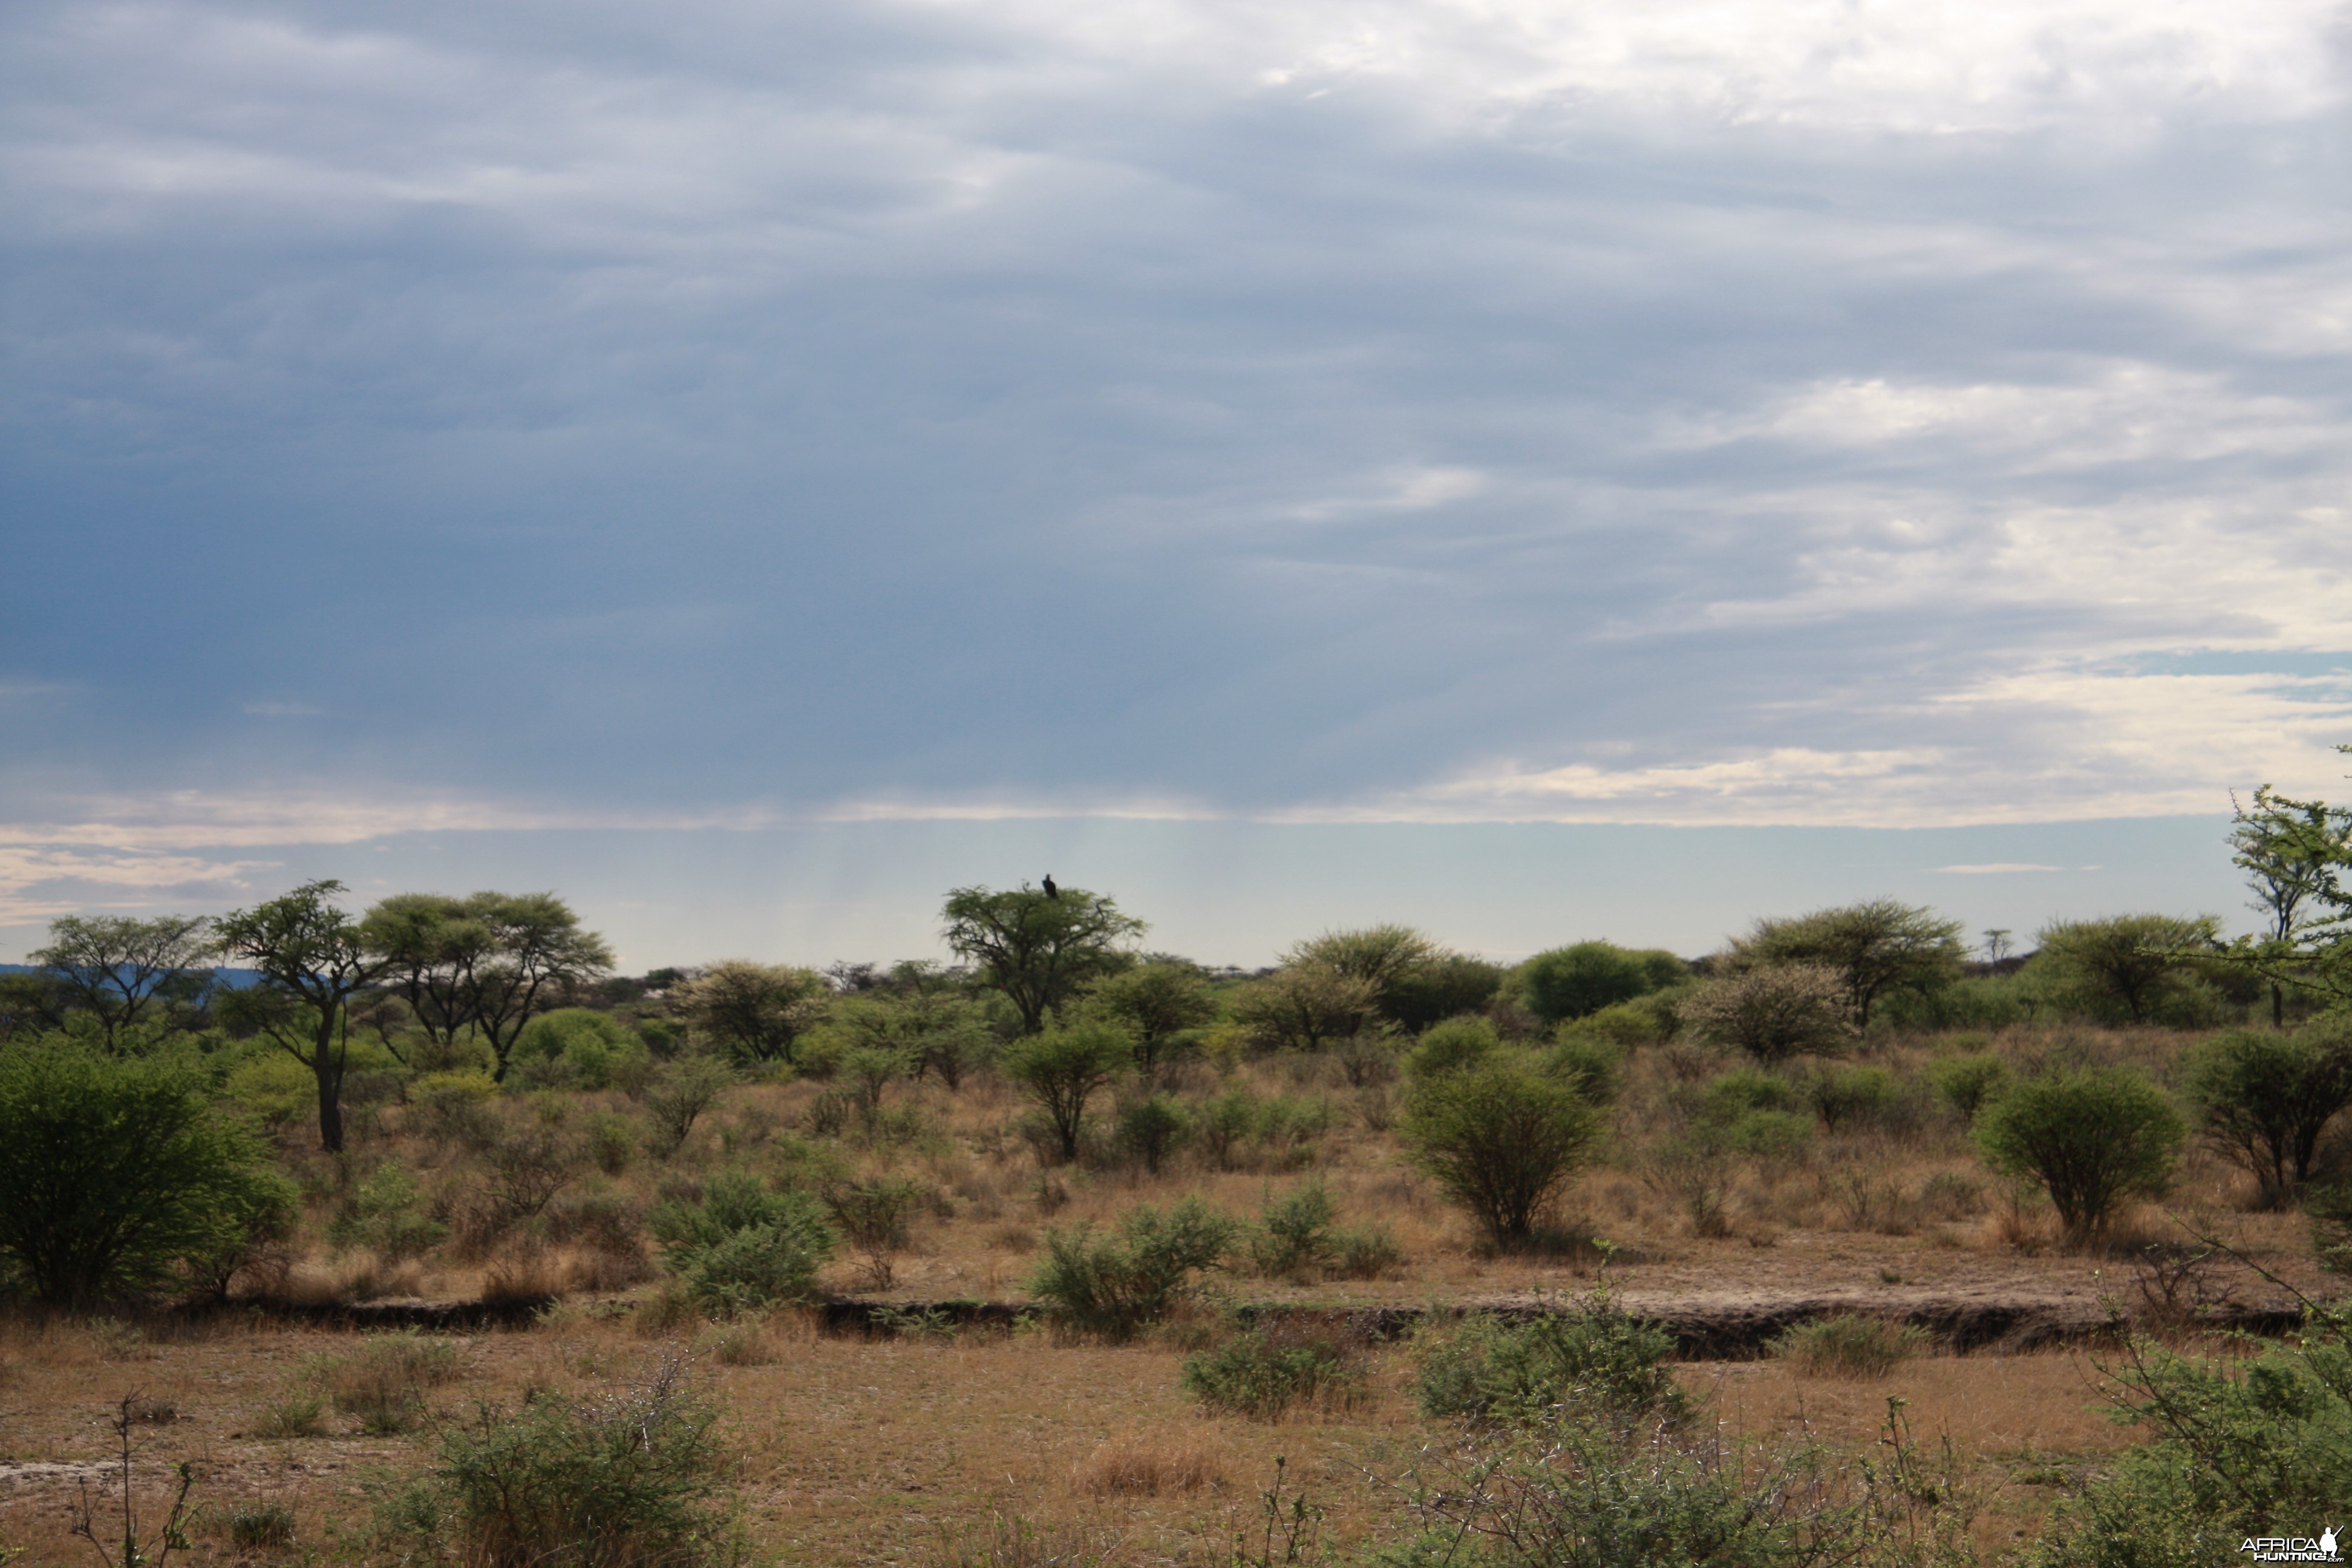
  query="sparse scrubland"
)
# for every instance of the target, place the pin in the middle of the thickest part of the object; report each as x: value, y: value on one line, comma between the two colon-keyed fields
x: 439, y: 1243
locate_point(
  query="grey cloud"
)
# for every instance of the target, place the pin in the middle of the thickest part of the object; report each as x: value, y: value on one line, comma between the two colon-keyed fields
x: 805, y: 404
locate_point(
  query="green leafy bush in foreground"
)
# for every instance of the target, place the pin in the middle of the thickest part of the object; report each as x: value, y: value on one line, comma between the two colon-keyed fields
x: 118, y: 1179
x: 635, y: 1481
x: 2240, y: 1448
x: 1591, y: 1494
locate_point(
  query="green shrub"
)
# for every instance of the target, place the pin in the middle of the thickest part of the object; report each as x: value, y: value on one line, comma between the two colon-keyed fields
x: 1451, y: 1046
x: 260, y: 1526
x: 1593, y: 1066
x: 608, y: 1142
x: 1597, y: 1364
x: 275, y: 1087
x: 301, y: 1413
x: 2238, y: 1447
x: 1579, y: 1494
x: 677, y: 1097
x: 2137, y: 969
x: 1263, y: 1375
x: 1774, y: 1014
x: 1764, y: 1135
x: 1848, y: 1345
x: 2090, y: 1139
x: 116, y: 1178
x: 1150, y: 1129
x: 2266, y: 1098
x: 1242, y: 1127
x: 1363, y: 1253
x: 743, y: 1248
x: 1966, y: 1082
x: 1849, y: 1096
x: 1115, y: 1285
x: 1444, y: 986
x: 1063, y: 1068
x: 591, y: 1045
x: 635, y: 1480
x: 1579, y: 980
x: 873, y: 1215
x: 1735, y: 1094
x: 1500, y: 1138
x: 383, y: 1212
x: 2328, y: 1211
x: 1294, y: 1232
x: 1651, y: 1020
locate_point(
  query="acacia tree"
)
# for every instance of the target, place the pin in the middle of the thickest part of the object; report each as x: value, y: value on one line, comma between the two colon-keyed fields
x: 2293, y: 852
x: 1306, y: 1006
x: 487, y: 964
x: 115, y: 966
x: 312, y: 959
x: 758, y: 1011
x: 1875, y: 947
x: 1158, y: 1003
x: 1039, y: 949
x: 2138, y: 961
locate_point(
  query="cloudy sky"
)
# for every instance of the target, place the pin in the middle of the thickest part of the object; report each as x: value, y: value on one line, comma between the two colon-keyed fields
x: 1533, y: 468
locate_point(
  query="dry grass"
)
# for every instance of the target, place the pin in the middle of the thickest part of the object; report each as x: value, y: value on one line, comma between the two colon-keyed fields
x: 1160, y: 1465
x: 868, y: 1450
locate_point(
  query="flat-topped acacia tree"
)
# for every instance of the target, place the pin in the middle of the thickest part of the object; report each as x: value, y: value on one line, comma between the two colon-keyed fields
x: 1038, y: 948
x: 485, y: 964
x: 312, y: 959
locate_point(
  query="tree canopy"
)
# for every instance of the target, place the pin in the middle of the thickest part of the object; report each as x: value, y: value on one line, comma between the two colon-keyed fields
x: 1875, y: 947
x: 122, y: 969
x: 312, y: 958
x: 1037, y: 949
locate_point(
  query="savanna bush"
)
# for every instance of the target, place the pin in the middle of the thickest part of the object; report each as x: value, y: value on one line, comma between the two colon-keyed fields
x: 1451, y: 1046
x: 1847, y: 1345
x: 2238, y: 1446
x: 1596, y: 1364
x: 2266, y: 1098
x: 1150, y: 1129
x: 1774, y: 1013
x: 639, y: 1479
x: 1577, y: 981
x: 1593, y: 1494
x: 1846, y: 1097
x: 2092, y: 1139
x: 1115, y: 1285
x: 385, y: 1211
x: 1500, y: 1137
x: 744, y: 1247
x: 1967, y: 1081
x: 578, y: 1047
x: 1263, y: 1374
x: 118, y: 1178
x: 383, y: 1383
x: 1062, y: 1069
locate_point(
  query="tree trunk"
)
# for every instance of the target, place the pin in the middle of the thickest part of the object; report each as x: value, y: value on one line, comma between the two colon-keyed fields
x: 327, y: 1066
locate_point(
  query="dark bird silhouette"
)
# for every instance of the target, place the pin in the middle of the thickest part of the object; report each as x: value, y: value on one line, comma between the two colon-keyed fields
x: 1052, y: 892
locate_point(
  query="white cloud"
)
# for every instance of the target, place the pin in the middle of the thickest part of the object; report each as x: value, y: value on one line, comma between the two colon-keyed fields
x: 1995, y: 868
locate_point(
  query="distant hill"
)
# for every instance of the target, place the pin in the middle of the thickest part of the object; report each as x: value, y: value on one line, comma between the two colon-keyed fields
x: 237, y: 979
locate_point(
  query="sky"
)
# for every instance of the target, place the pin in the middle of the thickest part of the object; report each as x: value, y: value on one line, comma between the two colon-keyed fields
x: 1535, y: 470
